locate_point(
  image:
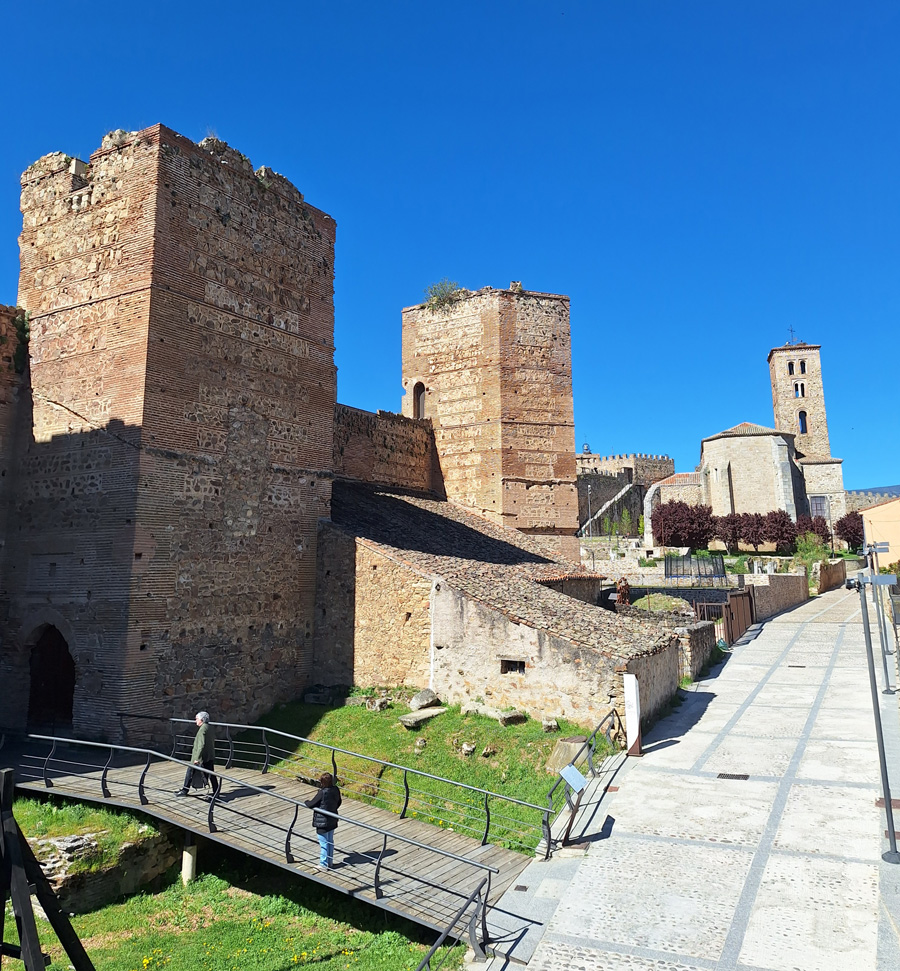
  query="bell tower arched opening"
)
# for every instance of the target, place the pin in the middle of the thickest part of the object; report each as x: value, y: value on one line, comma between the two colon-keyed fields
x: 52, y: 688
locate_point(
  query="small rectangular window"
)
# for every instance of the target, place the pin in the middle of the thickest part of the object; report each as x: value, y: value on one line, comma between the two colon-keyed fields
x: 511, y: 667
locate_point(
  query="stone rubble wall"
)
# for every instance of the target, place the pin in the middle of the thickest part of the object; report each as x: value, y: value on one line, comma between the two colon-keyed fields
x: 385, y: 449
x: 857, y: 501
x: 696, y: 639
x: 373, y: 620
x: 561, y: 678
x: 774, y: 592
x: 658, y: 676
x: 827, y: 576
x: 139, y: 864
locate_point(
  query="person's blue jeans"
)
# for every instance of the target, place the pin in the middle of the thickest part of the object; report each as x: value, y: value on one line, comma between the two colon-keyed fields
x: 326, y: 847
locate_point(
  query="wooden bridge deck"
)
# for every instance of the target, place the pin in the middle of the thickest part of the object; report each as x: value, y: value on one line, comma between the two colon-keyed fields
x: 416, y: 882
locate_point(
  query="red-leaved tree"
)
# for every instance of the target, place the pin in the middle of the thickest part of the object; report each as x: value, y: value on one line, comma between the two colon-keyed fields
x: 678, y: 524
x: 814, y: 524
x: 753, y: 529
x: 728, y: 529
x: 849, y: 528
x: 781, y: 530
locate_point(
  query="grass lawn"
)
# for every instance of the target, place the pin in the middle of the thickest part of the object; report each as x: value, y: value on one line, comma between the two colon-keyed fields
x: 57, y: 817
x: 513, y: 766
x: 237, y: 919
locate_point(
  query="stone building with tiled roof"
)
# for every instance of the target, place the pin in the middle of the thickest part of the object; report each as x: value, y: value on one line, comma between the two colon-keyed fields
x: 750, y: 468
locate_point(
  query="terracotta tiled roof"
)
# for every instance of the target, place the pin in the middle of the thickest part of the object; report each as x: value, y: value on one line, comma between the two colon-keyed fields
x: 746, y: 429
x: 502, y: 568
x: 682, y: 479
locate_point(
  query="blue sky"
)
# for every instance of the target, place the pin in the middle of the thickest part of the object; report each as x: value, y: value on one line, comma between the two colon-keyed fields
x: 697, y: 176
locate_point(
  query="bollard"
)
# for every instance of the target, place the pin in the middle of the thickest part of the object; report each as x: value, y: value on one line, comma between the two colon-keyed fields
x: 189, y: 859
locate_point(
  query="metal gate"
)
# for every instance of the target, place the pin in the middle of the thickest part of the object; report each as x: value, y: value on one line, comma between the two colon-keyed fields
x: 731, y: 618
x: 739, y: 613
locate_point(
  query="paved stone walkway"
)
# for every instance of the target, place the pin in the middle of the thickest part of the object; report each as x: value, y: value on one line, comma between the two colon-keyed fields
x: 782, y: 871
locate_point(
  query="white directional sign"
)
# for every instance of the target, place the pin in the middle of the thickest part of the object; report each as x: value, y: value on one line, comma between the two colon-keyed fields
x: 632, y: 714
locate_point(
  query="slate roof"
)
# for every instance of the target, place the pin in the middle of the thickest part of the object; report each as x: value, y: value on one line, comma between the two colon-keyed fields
x: 499, y: 567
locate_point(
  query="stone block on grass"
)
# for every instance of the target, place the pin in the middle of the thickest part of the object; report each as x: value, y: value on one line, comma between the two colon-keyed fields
x: 415, y: 718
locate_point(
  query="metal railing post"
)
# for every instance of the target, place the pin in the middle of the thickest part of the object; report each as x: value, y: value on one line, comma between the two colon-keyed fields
x: 142, y: 797
x: 103, y: 786
x: 288, y: 856
x: 47, y: 783
x: 265, y: 767
x: 230, y: 741
x: 487, y: 820
x: 379, y: 893
x: 405, y: 796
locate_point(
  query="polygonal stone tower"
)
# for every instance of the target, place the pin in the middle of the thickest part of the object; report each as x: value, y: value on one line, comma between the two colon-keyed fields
x: 798, y: 397
x: 492, y: 369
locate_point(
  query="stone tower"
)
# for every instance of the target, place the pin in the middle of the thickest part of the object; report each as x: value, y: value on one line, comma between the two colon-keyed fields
x: 179, y: 455
x: 492, y: 369
x: 798, y: 397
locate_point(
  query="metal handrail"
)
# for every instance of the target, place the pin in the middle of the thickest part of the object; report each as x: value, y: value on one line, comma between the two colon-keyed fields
x: 368, y: 758
x: 246, y: 785
x: 425, y: 964
x: 590, y: 745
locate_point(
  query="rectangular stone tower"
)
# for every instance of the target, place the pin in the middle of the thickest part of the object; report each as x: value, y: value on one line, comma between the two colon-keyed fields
x: 181, y: 311
x: 798, y: 397
x: 492, y: 369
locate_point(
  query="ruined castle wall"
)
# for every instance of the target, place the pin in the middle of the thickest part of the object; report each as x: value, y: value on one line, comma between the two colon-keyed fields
x: 238, y: 429
x: 537, y: 414
x: 644, y: 469
x: 454, y: 353
x: 182, y: 366
x: 86, y: 248
x: 857, y: 501
x: 373, y: 620
x: 496, y: 369
x: 384, y: 449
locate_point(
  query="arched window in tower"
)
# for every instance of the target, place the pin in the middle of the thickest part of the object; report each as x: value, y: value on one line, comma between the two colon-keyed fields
x: 419, y: 400
x: 803, y: 367
x: 799, y: 389
x: 790, y: 367
x: 801, y: 417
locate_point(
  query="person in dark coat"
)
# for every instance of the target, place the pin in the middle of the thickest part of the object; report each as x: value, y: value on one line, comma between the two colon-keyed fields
x: 328, y: 798
x: 203, y: 753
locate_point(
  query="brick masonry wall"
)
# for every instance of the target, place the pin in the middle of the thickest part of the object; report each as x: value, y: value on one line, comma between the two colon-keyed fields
x: 385, y: 449
x: 182, y: 366
x: 373, y: 619
x: 496, y: 367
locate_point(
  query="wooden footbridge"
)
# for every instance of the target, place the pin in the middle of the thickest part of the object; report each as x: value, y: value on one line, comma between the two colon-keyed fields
x: 437, y: 852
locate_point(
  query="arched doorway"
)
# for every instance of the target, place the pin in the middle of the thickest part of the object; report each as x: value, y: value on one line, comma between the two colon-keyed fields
x: 52, y: 682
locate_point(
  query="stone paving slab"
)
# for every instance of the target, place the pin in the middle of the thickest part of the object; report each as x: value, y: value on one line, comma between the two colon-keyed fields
x: 816, y: 915
x: 831, y: 820
x: 803, y: 886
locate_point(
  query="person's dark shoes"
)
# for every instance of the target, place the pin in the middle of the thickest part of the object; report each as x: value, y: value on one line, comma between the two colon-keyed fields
x: 181, y: 792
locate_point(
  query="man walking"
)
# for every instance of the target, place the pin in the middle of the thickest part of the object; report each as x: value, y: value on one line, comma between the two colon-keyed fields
x: 202, y: 754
